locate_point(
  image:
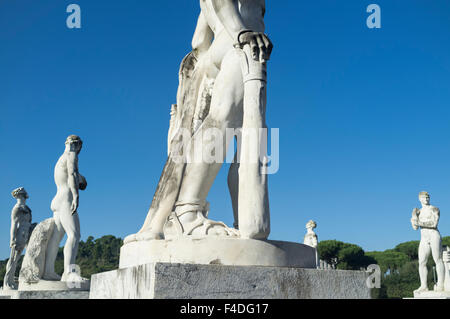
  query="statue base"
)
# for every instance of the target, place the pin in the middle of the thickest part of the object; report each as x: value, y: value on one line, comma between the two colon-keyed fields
x: 50, y: 285
x: 46, y: 289
x: 49, y: 294
x: 219, y: 251
x: 6, y: 293
x: 432, y: 295
x: 194, y: 281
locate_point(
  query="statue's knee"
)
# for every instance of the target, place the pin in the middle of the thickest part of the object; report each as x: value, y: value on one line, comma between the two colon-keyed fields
x: 74, y: 236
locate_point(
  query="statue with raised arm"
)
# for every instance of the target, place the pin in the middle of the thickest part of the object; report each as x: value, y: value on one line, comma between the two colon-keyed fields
x: 68, y: 181
x: 427, y: 219
x: 20, y: 233
x: 222, y: 86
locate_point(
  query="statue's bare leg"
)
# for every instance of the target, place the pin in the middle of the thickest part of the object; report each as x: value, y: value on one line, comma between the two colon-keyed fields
x: 9, y: 282
x: 436, y: 250
x: 233, y: 187
x: 225, y: 112
x: 52, y: 249
x: 424, y: 253
x: 71, y: 224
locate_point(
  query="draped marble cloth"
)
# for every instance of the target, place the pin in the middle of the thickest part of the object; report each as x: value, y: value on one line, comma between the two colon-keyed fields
x: 169, y: 184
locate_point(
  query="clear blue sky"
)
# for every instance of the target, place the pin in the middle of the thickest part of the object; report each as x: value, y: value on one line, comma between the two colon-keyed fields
x: 363, y: 114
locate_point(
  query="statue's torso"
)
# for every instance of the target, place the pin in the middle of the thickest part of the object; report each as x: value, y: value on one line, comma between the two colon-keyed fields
x: 425, y: 214
x: 311, y: 240
x: 23, y: 214
x: 63, y: 197
x: 252, y: 13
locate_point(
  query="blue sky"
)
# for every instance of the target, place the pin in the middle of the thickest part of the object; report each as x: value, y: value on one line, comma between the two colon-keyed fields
x: 363, y: 113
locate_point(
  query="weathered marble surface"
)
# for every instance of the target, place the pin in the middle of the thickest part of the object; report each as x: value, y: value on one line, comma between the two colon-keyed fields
x: 34, y: 261
x: 187, y: 281
x: 218, y: 250
x: 61, y: 294
x: 55, y: 285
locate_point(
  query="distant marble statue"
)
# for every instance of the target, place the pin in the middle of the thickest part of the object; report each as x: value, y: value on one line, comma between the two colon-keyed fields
x: 20, y: 233
x: 222, y: 86
x: 65, y: 210
x: 446, y: 259
x: 311, y: 238
x: 427, y: 219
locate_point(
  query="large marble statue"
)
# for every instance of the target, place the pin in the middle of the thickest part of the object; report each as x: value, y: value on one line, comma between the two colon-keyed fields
x: 65, y: 210
x: 427, y: 219
x: 20, y: 233
x: 222, y: 86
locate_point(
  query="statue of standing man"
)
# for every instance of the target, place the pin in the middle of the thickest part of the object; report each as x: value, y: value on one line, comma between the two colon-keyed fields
x: 427, y: 218
x: 65, y: 210
x: 222, y: 87
x: 20, y: 233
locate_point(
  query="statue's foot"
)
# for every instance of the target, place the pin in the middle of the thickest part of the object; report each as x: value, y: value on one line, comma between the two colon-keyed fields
x: 129, y: 239
x: 9, y: 287
x: 147, y: 235
x: 421, y: 289
x: 197, y: 225
x: 439, y: 288
x: 53, y: 276
x: 73, y: 277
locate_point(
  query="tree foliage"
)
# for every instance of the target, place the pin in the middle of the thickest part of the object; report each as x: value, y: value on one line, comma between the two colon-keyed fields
x: 343, y: 255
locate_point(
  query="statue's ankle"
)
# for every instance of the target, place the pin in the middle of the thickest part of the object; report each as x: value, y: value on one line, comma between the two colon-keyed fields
x: 188, y: 211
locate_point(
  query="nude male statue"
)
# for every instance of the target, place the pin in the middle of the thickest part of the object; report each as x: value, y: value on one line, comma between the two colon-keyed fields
x: 427, y: 218
x: 20, y: 234
x: 223, y: 26
x: 65, y: 210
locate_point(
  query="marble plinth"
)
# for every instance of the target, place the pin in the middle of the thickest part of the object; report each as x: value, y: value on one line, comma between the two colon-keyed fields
x: 193, y: 281
x: 219, y: 251
x: 432, y: 295
x: 47, y: 285
x: 51, y: 294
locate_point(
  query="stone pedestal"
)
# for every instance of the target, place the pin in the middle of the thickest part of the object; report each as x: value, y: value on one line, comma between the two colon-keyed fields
x: 6, y: 294
x: 218, y: 251
x: 47, y: 285
x: 51, y: 294
x: 193, y: 281
x: 45, y: 289
x: 432, y: 295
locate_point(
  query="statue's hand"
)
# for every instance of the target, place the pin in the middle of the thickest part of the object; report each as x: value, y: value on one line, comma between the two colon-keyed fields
x: 74, y: 206
x: 260, y: 44
x: 13, y: 243
x: 415, y: 223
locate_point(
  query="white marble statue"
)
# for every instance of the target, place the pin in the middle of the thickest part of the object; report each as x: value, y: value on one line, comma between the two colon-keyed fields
x: 427, y: 219
x: 311, y: 239
x: 65, y: 210
x: 222, y: 85
x: 446, y: 259
x: 20, y: 233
